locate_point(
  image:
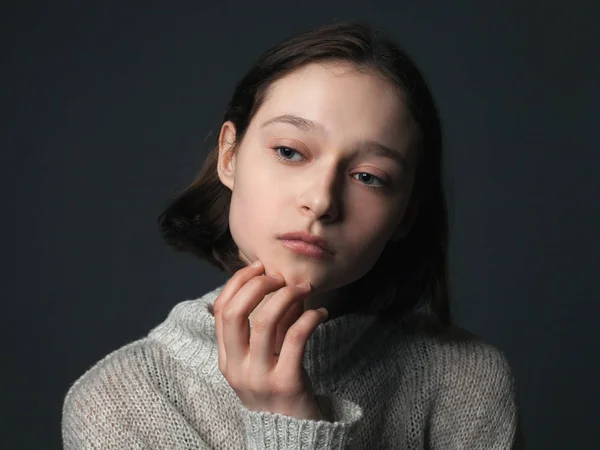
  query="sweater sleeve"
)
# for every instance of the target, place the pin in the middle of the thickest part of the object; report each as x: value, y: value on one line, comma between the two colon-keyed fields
x: 268, y: 431
x: 476, y: 406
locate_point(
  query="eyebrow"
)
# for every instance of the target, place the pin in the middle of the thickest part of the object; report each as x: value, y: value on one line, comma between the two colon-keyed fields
x: 308, y: 126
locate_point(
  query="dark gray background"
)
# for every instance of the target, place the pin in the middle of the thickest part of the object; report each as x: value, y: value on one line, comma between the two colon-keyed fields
x: 105, y: 113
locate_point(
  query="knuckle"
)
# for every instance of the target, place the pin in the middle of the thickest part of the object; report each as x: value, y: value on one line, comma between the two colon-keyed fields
x: 229, y: 315
x: 296, y: 335
x: 217, y: 307
x: 262, y: 324
x: 288, y: 291
x: 255, y: 283
x: 218, y: 300
x: 262, y: 283
x: 244, y: 274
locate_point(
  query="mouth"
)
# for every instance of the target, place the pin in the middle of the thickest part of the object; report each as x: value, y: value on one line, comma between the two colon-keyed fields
x: 310, y: 240
x: 304, y: 248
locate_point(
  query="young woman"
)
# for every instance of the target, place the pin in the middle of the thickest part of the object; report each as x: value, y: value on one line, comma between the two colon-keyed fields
x: 323, y: 201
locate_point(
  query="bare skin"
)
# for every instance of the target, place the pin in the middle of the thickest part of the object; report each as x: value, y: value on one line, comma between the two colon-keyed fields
x: 329, y: 152
x: 264, y: 365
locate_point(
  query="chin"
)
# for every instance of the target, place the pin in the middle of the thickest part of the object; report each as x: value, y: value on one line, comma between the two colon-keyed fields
x: 294, y: 272
x: 290, y: 275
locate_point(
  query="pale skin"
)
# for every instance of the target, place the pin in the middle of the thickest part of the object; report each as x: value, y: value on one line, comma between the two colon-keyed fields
x: 326, y: 182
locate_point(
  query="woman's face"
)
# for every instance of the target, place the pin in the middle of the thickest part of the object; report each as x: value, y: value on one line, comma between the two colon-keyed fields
x: 326, y: 122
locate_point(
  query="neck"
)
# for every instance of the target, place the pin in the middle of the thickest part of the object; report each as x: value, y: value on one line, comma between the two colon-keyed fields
x: 334, y: 301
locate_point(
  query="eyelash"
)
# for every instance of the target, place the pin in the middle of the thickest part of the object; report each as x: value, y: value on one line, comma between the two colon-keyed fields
x: 287, y: 161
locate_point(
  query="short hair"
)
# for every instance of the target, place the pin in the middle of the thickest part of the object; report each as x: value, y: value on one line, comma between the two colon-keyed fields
x: 409, y: 281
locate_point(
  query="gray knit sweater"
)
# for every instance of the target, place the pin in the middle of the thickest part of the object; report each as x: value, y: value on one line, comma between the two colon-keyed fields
x: 379, y: 388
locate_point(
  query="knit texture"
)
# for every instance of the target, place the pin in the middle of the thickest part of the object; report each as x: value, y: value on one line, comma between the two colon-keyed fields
x: 378, y: 386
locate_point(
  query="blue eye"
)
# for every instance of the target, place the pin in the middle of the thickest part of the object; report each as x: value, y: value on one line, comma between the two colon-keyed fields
x: 285, y: 157
x: 372, y: 177
x: 289, y: 152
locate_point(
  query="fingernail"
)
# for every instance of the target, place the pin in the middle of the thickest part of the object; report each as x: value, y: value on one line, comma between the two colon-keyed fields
x: 304, y: 285
x: 324, y: 313
x: 256, y: 263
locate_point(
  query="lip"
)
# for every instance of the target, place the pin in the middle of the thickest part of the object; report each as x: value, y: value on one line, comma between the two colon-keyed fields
x: 306, y: 249
x: 308, y: 238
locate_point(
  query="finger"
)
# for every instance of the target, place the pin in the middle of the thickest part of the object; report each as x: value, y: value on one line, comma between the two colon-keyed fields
x: 289, y: 367
x: 236, y: 326
x: 234, y: 284
x: 290, y: 317
x: 268, y: 322
x: 240, y: 278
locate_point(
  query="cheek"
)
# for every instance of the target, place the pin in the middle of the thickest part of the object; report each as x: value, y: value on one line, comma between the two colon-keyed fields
x: 251, y: 214
x: 368, y: 236
x: 370, y: 226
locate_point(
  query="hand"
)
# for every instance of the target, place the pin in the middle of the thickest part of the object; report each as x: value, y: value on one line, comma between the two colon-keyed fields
x: 265, y: 374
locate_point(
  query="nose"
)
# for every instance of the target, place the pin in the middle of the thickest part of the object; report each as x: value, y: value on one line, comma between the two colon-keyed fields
x: 320, y: 197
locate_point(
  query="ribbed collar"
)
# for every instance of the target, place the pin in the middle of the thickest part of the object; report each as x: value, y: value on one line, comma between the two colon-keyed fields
x: 335, y: 347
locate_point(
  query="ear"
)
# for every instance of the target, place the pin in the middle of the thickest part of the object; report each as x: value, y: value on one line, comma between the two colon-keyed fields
x: 410, y: 216
x: 226, y: 162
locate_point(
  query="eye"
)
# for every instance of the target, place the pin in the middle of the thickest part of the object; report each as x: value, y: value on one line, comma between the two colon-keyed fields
x: 285, y: 154
x: 369, y: 178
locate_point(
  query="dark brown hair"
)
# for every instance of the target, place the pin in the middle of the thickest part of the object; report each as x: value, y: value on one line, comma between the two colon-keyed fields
x: 409, y: 281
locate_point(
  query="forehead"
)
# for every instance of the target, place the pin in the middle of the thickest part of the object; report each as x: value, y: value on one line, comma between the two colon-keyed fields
x: 346, y: 101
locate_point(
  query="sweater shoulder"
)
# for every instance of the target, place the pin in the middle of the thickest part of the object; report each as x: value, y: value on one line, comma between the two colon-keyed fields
x: 138, y: 396
x: 440, y: 354
x: 460, y: 357
x: 475, y: 393
x: 182, y: 334
x: 117, y: 363
x: 96, y: 401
